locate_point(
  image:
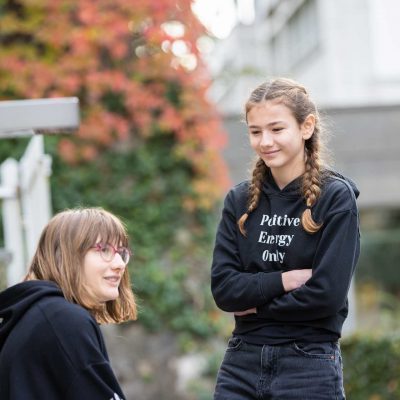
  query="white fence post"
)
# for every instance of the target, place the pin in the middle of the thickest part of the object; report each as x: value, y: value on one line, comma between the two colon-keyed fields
x: 12, y: 221
x: 34, y: 170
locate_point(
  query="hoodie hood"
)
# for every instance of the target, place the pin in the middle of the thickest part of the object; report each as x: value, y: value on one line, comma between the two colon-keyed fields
x: 16, y: 301
x: 349, y: 182
x: 293, y: 188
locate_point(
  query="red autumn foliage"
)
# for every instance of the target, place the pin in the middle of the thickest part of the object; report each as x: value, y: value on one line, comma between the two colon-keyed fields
x: 110, y: 54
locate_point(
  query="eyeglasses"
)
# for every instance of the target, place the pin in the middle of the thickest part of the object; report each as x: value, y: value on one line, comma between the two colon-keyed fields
x: 108, y: 251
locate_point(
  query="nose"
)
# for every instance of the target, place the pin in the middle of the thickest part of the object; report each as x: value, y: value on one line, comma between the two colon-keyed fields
x: 266, y: 139
x: 117, y: 262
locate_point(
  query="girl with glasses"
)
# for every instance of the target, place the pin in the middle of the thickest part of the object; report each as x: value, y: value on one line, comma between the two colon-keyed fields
x: 285, y: 252
x: 51, y: 346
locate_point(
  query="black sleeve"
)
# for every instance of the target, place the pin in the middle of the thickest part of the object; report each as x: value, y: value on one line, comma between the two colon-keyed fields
x: 325, y: 293
x: 81, y: 356
x: 233, y: 288
x: 96, y: 381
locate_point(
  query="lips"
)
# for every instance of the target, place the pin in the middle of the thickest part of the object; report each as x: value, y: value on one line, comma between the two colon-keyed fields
x: 113, y: 279
x: 269, y: 153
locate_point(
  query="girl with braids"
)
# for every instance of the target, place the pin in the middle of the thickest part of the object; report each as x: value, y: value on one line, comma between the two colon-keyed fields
x: 285, y: 253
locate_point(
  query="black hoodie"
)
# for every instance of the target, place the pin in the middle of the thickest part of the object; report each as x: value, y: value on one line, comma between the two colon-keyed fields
x: 247, y: 271
x: 51, y: 349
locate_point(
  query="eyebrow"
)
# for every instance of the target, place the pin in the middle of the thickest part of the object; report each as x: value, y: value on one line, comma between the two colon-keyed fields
x: 270, y: 124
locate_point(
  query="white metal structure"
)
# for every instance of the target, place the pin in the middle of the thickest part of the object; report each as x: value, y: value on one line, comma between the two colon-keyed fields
x: 25, y: 189
x: 27, y: 117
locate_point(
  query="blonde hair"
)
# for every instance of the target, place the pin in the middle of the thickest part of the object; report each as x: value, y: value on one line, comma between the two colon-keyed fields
x: 295, y: 97
x: 59, y: 257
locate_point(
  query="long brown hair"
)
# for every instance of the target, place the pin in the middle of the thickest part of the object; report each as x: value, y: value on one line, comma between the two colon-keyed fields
x: 294, y: 96
x: 59, y: 257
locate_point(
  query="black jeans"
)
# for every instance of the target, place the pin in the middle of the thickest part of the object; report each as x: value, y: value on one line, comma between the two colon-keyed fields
x: 295, y: 371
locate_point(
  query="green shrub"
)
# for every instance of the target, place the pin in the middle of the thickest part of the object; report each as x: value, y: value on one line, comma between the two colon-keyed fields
x: 371, y: 367
x: 146, y: 186
x: 379, y: 258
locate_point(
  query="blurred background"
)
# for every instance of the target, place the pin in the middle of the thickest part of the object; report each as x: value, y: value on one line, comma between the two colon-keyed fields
x: 161, y: 87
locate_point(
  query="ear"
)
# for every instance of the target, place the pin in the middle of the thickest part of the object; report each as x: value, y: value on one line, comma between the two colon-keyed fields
x: 307, y: 127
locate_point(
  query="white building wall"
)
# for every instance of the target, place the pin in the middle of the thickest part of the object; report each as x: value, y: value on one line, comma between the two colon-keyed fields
x: 359, y: 49
x: 341, y: 69
x: 356, y: 61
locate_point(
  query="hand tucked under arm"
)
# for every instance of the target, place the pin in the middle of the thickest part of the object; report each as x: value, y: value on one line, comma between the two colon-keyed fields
x: 294, y: 279
x: 246, y: 312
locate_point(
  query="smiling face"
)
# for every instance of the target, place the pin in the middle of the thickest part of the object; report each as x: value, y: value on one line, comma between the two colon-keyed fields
x: 102, y: 278
x: 278, y: 139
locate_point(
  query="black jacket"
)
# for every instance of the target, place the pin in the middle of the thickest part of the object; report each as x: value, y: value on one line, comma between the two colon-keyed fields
x: 246, y: 271
x: 51, y: 349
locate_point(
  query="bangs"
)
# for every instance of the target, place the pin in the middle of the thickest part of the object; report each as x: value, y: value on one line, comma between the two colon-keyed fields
x: 109, y: 230
x: 86, y: 227
x: 113, y: 234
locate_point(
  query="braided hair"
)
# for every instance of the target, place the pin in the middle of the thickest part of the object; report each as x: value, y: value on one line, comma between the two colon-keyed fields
x: 295, y: 97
